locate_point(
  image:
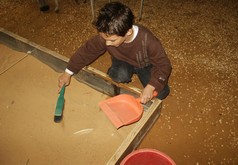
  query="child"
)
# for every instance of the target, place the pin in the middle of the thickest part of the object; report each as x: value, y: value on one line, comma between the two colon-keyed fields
x: 134, y: 50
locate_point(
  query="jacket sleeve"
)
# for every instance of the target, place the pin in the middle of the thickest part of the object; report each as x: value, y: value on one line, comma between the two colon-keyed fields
x: 161, y: 65
x: 86, y: 54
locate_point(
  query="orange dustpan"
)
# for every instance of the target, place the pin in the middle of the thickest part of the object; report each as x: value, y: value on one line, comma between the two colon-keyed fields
x: 123, y: 109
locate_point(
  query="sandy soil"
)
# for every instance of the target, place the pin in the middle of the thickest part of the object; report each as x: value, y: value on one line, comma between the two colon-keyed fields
x: 199, y: 119
x: 28, y: 133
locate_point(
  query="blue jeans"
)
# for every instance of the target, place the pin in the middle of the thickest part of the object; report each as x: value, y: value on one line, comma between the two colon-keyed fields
x: 122, y: 72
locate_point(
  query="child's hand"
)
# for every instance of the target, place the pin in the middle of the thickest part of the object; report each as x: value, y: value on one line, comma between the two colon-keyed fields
x: 64, y: 79
x: 147, y: 94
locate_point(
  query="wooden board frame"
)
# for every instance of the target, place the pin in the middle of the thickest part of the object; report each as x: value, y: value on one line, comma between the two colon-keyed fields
x: 95, y: 79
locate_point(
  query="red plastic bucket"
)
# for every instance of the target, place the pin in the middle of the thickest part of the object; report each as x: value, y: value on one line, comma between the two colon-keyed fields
x: 147, y: 157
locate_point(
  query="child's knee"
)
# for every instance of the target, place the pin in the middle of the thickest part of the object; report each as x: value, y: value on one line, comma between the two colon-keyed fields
x: 119, y: 75
x: 164, y: 93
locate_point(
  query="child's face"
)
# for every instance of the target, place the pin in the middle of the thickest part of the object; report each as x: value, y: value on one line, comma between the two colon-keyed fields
x: 113, y: 40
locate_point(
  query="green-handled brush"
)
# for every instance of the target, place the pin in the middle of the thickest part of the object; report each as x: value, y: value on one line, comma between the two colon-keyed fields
x: 59, y: 106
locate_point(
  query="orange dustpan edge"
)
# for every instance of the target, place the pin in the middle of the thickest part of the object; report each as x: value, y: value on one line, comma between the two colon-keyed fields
x: 122, y: 110
x: 111, y: 115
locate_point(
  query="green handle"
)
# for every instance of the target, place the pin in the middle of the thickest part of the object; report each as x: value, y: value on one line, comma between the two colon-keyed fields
x: 60, y: 102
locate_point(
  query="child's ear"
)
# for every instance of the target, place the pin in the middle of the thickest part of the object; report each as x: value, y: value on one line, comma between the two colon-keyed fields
x: 129, y: 32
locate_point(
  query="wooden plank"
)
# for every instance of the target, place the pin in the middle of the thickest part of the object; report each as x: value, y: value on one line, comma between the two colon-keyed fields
x: 128, y: 87
x: 51, y: 58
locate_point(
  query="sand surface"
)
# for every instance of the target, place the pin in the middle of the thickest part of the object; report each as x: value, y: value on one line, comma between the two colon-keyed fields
x: 28, y: 134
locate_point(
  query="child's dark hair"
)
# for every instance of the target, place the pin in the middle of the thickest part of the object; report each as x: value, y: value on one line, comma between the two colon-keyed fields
x: 114, y: 18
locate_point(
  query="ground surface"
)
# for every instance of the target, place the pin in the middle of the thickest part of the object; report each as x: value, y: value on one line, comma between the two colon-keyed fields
x: 28, y: 132
x: 199, y: 119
